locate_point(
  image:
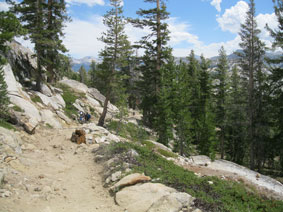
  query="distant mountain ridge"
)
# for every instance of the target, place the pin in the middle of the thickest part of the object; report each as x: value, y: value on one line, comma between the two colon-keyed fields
x: 85, y: 62
x: 232, y: 58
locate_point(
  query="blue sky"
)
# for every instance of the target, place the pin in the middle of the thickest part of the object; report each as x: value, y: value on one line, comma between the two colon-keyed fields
x: 202, y: 25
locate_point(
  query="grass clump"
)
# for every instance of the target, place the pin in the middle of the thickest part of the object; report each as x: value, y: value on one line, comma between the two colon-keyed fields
x: 17, y: 108
x: 166, y: 153
x: 49, y: 126
x: 148, y: 144
x: 70, y: 97
x: 36, y: 99
x: 220, y: 196
x: 6, y: 125
x: 128, y: 130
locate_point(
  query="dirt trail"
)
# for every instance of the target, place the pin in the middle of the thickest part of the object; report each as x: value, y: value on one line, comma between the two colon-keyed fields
x: 55, y: 175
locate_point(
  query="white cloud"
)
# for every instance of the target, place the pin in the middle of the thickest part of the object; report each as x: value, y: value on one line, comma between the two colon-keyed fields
x: 262, y: 20
x: 179, y: 32
x: 90, y: 3
x: 216, y: 4
x: 81, y: 37
x: 209, y: 50
x: 232, y: 18
x: 4, y: 6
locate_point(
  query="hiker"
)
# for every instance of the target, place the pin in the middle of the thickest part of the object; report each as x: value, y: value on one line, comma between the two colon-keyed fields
x: 87, y: 117
x: 81, y: 117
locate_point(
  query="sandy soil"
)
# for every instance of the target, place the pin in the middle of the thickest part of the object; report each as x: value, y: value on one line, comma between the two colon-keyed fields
x: 55, y: 175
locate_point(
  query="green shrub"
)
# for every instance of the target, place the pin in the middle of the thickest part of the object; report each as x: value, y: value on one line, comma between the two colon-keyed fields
x: 49, y: 126
x: 128, y: 130
x: 70, y: 97
x: 6, y: 125
x: 166, y: 153
x: 148, y: 144
x: 36, y: 99
x: 17, y: 108
x: 220, y: 196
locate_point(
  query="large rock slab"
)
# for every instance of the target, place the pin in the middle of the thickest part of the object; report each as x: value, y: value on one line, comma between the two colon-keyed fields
x: 141, y: 197
x: 31, y: 114
x: 261, y: 182
x: 93, y: 102
x: 48, y: 117
x: 75, y: 85
x: 22, y: 55
x: 10, y: 139
x: 13, y: 87
x: 130, y: 180
x: 93, y: 92
x: 55, y: 101
x: 46, y: 90
x: 64, y: 117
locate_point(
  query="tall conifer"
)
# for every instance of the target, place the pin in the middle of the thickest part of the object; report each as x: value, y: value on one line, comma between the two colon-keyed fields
x: 251, y: 63
x: 220, y: 96
x: 156, y: 55
x: 276, y: 79
x: 117, y: 50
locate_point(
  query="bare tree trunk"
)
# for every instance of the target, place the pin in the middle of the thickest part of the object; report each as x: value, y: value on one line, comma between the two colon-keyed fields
x: 222, y: 142
x: 50, y: 66
x: 158, y: 61
x: 103, y: 115
x: 38, y: 47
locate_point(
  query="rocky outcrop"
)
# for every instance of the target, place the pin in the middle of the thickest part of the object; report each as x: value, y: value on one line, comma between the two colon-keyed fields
x: 97, y: 134
x: 49, y: 118
x: 10, y: 142
x: 22, y: 60
x: 31, y: 108
x: 270, y: 186
x: 130, y: 180
x: 152, y: 197
x: 134, y: 192
x: 93, y: 97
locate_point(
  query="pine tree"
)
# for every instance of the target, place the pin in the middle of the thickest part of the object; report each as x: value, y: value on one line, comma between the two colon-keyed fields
x: 220, y: 96
x: 116, y: 51
x: 54, y: 47
x: 251, y: 62
x: 31, y: 15
x: 181, y: 108
x: 164, y: 119
x: 83, y: 75
x: 236, y: 124
x: 156, y: 55
x: 276, y: 79
x: 194, y: 103
x: 207, y: 135
x: 44, y: 22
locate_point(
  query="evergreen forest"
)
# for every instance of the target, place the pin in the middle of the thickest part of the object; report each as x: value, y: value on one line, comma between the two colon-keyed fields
x: 228, y: 111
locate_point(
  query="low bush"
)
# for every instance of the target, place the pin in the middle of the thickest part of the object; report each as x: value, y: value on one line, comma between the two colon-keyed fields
x: 6, y: 125
x: 222, y: 195
x: 128, y: 130
x: 36, y: 99
x: 166, y: 153
x: 70, y: 97
x: 17, y: 108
